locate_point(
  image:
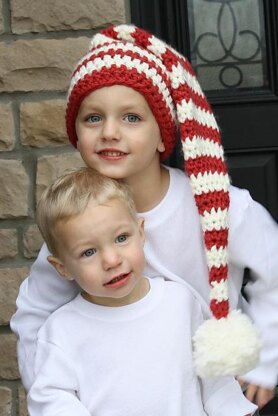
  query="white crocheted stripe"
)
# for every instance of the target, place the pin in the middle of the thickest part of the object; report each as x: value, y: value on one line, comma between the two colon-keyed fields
x: 217, y: 257
x: 214, y: 220
x: 157, y: 46
x: 179, y: 76
x: 209, y: 182
x: 219, y: 291
x: 200, y: 146
x: 125, y: 32
x: 189, y: 111
x: 99, y: 39
x: 125, y: 47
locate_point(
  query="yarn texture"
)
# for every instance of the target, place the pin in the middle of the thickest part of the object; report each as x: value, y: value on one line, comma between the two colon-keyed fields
x: 227, y: 346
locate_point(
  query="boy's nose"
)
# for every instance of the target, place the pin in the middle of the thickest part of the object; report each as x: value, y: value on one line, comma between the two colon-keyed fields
x: 111, y: 259
x: 111, y: 130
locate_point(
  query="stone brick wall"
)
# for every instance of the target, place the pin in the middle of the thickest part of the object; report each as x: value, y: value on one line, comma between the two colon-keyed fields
x: 40, y: 41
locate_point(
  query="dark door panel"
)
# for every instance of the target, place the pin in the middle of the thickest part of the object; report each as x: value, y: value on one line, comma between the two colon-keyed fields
x: 248, y: 126
x: 256, y: 172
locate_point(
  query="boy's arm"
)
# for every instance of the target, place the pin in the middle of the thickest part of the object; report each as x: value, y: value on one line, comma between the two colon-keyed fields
x: 254, y: 245
x: 54, y: 391
x: 222, y: 396
x: 40, y: 294
x: 259, y: 395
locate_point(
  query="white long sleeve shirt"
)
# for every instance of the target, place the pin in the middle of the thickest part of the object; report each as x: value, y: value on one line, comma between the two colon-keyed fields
x: 128, y: 361
x: 174, y: 249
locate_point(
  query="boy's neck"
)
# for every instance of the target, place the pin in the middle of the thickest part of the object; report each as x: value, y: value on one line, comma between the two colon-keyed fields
x: 139, y: 293
x: 150, y: 189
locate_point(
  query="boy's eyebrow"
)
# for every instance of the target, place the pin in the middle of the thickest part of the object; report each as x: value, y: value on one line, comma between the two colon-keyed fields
x: 126, y: 106
x: 76, y: 248
x: 123, y: 226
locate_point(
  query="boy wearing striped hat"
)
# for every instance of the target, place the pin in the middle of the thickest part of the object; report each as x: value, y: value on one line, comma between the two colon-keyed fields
x: 187, y: 214
x: 123, y: 346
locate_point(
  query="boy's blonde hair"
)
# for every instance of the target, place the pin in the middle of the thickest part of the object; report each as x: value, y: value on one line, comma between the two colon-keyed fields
x: 69, y: 196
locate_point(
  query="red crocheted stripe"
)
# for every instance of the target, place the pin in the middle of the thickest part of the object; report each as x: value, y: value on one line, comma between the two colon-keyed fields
x: 188, y: 67
x: 185, y: 92
x: 209, y: 200
x: 216, y: 274
x: 216, y: 238
x: 170, y: 58
x: 219, y: 309
x: 141, y: 37
x: 192, y: 128
x: 110, y: 32
x: 205, y: 164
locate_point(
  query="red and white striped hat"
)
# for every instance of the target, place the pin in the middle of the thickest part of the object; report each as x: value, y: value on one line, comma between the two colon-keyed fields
x: 127, y: 55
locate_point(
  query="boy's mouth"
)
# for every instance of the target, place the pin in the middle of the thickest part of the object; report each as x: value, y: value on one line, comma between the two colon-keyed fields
x: 108, y: 153
x: 111, y: 153
x: 118, y: 279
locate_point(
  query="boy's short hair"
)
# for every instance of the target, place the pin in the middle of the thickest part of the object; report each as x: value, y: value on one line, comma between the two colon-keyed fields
x: 69, y: 196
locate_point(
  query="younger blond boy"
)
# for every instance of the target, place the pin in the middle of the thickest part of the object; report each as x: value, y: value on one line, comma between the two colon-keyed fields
x: 123, y: 346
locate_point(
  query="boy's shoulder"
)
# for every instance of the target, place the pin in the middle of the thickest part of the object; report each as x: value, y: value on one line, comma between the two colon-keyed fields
x: 64, y: 318
x: 181, y: 292
x: 239, y: 197
x: 241, y: 206
x: 179, y: 289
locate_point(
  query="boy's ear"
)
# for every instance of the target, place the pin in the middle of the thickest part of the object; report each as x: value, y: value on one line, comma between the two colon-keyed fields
x: 141, y: 225
x: 161, y: 146
x: 59, y: 266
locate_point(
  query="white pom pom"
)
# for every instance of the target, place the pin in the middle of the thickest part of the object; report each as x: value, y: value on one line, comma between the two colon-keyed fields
x: 228, y: 346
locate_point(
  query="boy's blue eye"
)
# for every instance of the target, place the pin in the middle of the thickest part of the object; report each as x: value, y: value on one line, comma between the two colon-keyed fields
x: 94, y: 118
x: 88, y: 253
x: 121, y: 238
x: 132, y: 118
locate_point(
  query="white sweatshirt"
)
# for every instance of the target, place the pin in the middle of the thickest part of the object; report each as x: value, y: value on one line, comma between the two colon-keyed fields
x: 174, y: 249
x: 128, y: 361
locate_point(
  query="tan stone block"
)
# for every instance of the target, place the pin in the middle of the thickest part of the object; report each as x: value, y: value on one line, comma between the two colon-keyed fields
x: 14, y: 186
x: 40, y: 64
x: 32, y: 241
x: 41, y: 15
x: 8, y: 244
x: 7, y: 135
x: 8, y: 357
x: 5, y: 401
x: 10, y: 280
x: 1, y: 23
x: 43, y: 124
x: 51, y: 167
x: 22, y: 406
